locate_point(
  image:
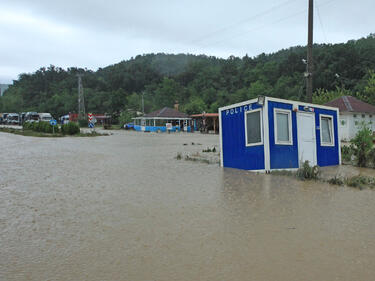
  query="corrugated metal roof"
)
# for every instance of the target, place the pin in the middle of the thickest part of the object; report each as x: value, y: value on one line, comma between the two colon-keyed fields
x: 351, y: 104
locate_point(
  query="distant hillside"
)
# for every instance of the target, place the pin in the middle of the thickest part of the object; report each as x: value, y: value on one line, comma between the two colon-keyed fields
x: 199, y: 83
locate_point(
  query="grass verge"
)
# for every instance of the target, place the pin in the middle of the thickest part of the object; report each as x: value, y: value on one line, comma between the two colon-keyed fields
x: 30, y: 133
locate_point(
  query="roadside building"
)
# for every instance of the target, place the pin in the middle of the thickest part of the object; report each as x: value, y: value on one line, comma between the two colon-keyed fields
x: 353, y: 113
x: 162, y: 120
x: 267, y: 134
x: 206, y: 122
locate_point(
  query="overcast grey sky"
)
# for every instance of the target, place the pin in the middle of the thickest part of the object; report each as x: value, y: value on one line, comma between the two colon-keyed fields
x: 92, y: 34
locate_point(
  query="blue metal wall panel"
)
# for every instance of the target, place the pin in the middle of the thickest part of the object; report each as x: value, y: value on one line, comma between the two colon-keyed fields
x: 235, y: 152
x: 282, y: 156
x: 327, y: 155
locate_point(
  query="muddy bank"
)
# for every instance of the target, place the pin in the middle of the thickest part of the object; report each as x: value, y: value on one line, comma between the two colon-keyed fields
x: 123, y: 208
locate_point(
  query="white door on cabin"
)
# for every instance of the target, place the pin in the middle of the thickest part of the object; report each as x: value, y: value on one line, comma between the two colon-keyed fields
x: 306, y: 137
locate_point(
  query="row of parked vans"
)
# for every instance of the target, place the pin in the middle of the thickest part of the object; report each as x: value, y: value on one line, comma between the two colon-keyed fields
x: 20, y: 118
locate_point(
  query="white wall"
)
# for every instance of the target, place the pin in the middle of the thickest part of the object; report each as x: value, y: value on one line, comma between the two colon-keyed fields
x: 350, y: 123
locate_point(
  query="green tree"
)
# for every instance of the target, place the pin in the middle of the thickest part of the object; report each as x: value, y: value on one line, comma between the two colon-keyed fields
x: 322, y: 96
x: 368, y: 94
x: 195, y: 105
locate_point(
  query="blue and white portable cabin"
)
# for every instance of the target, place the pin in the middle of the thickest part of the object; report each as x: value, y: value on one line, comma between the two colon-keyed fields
x: 267, y: 134
x: 162, y: 120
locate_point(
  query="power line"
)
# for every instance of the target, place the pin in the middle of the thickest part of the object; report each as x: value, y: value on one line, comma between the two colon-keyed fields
x: 203, y: 38
x: 321, y: 23
x: 265, y: 25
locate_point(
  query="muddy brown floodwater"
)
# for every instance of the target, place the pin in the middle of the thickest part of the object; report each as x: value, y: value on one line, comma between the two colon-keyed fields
x: 122, y: 208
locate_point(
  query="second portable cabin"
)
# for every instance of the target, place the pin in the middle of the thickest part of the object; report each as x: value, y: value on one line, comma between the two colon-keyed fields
x: 267, y: 134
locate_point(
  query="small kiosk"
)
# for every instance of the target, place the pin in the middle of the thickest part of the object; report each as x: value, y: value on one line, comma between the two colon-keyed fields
x: 267, y: 134
x: 162, y: 120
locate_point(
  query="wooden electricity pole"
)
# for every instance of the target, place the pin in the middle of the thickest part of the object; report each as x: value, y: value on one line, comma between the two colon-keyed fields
x: 309, y: 73
x: 81, y: 99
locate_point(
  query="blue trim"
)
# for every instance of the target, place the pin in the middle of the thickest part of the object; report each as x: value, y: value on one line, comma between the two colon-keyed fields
x: 282, y: 156
x: 138, y: 128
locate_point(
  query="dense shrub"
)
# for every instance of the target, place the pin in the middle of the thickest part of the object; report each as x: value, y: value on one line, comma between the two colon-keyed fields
x: 347, y: 153
x: 43, y: 127
x: 27, y: 126
x: 70, y: 129
x: 83, y: 123
x: 307, y: 171
x: 372, y: 157
x: 362, y: 145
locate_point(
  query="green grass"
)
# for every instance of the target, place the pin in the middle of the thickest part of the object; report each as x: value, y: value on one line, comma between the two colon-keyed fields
x: 30, y: 133
x: 116, y: 127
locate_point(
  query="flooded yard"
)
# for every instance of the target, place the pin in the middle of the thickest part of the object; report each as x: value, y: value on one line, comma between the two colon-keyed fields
x: 121, y: 207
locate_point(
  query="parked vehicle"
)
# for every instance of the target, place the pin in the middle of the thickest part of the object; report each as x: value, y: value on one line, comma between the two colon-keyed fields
x: 22, y: 117
x: 45, y: 117
x: 4, y: 119
x: 64, y: 119
x: 32, y: 117
x: 13, y: 119
x: 129, y: 126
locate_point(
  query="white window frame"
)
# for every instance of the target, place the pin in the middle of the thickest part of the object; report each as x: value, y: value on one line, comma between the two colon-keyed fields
x: 290, y: 126
x: 261, y: 126
x: 332, y: 143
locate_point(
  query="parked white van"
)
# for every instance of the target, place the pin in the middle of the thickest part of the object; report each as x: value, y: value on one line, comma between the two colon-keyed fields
x: 45, y: 117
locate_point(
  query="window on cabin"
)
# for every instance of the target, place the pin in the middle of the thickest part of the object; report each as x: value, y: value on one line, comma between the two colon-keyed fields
x: 283, y: 127
x: 253, y: 127
x: 326, y: 130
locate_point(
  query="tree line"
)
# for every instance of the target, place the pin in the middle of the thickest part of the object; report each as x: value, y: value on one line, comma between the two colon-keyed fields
x: 198, y: 82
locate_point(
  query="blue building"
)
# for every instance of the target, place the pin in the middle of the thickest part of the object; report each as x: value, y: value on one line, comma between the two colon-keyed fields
x: 268, y: 134
x: 162, y: 120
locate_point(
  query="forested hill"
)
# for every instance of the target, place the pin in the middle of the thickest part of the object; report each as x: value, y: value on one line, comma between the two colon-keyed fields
x: 199, y: 83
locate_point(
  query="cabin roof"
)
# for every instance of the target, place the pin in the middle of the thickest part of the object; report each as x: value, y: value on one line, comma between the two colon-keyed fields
x: 351, y: 104
x: 166, y: 112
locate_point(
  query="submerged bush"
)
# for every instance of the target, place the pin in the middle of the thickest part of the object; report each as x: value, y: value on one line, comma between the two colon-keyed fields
x: 307, y: 171
x: 209, y: 149
x: 336, y: 180
x: 360, y: 182
x: 71, y: 128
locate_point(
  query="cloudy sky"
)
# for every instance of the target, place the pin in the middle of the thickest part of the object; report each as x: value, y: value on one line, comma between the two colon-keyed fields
x: 98, y: 33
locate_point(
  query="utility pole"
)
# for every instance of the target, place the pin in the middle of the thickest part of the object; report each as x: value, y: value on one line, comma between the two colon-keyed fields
x: 143, y: 103
x: 81, y: 99
x: 309, y: 72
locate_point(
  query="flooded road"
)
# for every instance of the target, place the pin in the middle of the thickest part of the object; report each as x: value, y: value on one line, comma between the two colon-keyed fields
x: 122, y: 208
